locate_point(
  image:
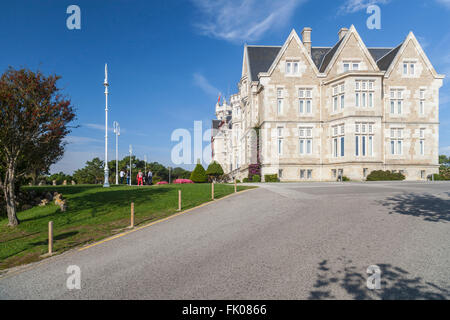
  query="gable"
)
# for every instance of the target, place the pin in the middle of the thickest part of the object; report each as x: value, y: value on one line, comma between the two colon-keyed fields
x: 260, y: 59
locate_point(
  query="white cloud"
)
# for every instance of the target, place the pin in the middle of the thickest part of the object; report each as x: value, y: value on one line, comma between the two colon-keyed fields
x: 352, y: 6
x: 203, y: 83
x: 82, y: 140
x: 445, y: 150
x: 444, y: 2
x: 240, y: 21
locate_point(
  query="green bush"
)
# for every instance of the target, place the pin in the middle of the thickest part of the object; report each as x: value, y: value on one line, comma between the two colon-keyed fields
x: 271, y: 178
x: 156, y: 179
x: 245, y: 180
x: 214, y: 170
x: 380, y: 175
x: 238, y: 181
x: 438, y: 177
x: 199, y: 174
x: 345, y: 178
x: 256, y: 178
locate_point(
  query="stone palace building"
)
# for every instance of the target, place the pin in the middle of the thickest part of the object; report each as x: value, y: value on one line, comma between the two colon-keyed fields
x: 315, y: 113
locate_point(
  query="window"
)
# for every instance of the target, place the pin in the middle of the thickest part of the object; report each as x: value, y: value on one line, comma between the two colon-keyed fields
x: 280, y: 140
x: 333, y: 173
x: 364, y: 93
x: 305, y: 101
x: 350, y: 65
x: 302, y: 174
x: 365, y: 171
x: 292, y: 67
x: 305, y: 141
x: 280, y: 173
x: 338, y: 141
x: 422, y: 102
x: 279, y: 101
x: 422, y: 142
x: 409, y: 68
x: 422, y: 174
x: 396, y: 141
x: 338, y: 96
x: 364, y: 138
x: 309, y: 173
x: 396, y: 101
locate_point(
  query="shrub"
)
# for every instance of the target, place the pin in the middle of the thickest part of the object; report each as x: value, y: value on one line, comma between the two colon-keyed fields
x: 380, y: 175
x: 182, y: 181
x: 254, y: 169
x: 238, y: 181
x: 256, y: 178
x: 199, y: 174
x: 245, y: 180
x: 271, y: 178
x: 162, y: 182
x: 214, y: 170
x: 438, y: 177
x: 345, y: 178
x: 156, y: 179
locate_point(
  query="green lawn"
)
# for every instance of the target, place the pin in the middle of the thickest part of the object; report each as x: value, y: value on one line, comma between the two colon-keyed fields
x: 94, y: 213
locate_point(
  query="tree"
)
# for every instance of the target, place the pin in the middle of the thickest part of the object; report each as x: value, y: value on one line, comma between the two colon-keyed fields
x: 92, y: 173
x: 214, y: 170
x: 199, y: 174
x: 34, y: 120
x: 443, y: 159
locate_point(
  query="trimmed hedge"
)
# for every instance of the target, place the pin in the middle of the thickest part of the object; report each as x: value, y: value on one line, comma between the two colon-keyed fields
x: 256, y: 178
x: 271, y: 178
x: 214, y: 169
x: 380, y: 175
x: 199, y: 174
x: 245, y: 180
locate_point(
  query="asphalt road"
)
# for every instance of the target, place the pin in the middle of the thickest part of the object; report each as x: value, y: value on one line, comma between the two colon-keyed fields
x: 281, y: 241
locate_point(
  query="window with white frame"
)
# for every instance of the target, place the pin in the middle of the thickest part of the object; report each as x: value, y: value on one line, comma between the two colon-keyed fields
x: 292, y: 67
x: 422, y: 102
x: 338, y: 97
x: 396, y: 100
x: 305, y: 101
x: 280, y: 101
x: 351, y: 65
x: 396, y: 141
x: 364, y: 139
x: 364, y: 93
x: 305, y: 141
x: 422, y: 141
x: 409, y: 68
x: 338, y: 141
x: 280, y: 140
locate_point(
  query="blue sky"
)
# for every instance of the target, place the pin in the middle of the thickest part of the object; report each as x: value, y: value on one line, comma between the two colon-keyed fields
x: 168, y: 60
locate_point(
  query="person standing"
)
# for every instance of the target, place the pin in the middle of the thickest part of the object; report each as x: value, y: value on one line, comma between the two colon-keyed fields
x: 121, y: 175
x: 140, y: 178
x: 128, y: 178
x: 150, y: 178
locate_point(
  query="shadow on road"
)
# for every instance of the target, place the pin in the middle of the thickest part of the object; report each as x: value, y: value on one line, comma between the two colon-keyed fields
x: 426, y: 206
x: 396, y: 284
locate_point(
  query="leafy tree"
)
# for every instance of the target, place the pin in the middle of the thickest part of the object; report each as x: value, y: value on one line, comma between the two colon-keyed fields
x: 34, y: 120
x: 443, y: 159
x: 214, y: 170
x: 92, y: 173
x: 59, y: 178
x: 180, y: 173
x: 199, y: 174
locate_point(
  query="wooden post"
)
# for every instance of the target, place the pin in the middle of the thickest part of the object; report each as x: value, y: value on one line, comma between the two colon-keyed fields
x: 179, y: 200
x: 132, y: 215
x: 212, y: 190
x: 235, y: 186
x: 50, y: 237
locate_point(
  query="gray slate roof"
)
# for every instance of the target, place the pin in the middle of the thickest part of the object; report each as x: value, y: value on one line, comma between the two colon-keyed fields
x: 261, y: 57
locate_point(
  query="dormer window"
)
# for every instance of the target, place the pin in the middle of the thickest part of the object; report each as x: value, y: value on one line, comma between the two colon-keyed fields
x: 292, y: 67
x: 351, y: 66
x: 409, y: 68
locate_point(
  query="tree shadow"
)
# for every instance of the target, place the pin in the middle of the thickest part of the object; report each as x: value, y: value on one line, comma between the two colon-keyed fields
x: 396, y: 284
x: 58, y: 237
x: 426, y: 206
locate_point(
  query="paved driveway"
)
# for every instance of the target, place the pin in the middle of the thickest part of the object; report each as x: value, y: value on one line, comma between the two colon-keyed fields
x: 281, y: 241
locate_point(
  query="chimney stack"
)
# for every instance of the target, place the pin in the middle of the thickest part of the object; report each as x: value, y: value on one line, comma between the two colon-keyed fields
x: 306, y: 39
x: 342, y: 33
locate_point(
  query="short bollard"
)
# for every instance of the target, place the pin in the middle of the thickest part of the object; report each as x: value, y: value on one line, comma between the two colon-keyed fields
x: 179, y: 200
x: 50, y: 237
x: 235, y: 186
x: 132, y: 215
x: 212, y: 190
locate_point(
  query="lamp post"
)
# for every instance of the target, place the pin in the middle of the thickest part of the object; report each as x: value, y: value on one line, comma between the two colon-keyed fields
x: 106, y: 183
x: 131, y: 151
x: 145, y: 160
x: 116, y: 127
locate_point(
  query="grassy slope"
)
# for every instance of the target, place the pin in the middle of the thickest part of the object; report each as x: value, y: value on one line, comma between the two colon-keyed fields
x: 94, y: 213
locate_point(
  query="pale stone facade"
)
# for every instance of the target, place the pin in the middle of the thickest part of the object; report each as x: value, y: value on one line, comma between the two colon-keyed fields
x: 322, y: 112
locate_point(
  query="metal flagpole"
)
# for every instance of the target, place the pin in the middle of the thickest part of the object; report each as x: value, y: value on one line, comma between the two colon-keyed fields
x: 117, y: 132
x: 131, y: 150
x: 106, y: 183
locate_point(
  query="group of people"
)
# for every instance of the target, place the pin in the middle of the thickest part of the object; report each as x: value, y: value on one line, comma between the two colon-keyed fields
x: 141, y: 177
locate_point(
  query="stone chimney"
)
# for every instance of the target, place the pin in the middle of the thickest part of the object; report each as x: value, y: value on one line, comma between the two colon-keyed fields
x: 306, y: 38
x: 342, y: 33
